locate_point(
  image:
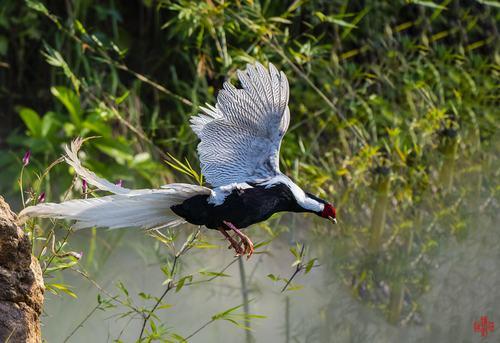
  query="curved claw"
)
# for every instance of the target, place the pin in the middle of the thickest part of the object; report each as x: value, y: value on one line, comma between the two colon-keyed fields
x: 233, y: 244
x: 245, y: 240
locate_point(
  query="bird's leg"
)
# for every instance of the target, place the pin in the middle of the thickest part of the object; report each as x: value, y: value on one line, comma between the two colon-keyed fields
x: 244, y: 239
x: 237, y: 247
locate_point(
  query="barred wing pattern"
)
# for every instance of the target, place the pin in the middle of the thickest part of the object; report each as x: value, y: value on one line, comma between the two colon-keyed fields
x: 241, y: 135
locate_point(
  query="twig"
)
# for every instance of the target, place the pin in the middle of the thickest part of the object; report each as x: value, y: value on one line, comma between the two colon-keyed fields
x: 150, y: 82
x: 20, y: 182
x: 199, y: 329
x: 105, y: 292
x: 299, y: 267
x: 123, y: 329
x: 10, y: 335
x: 82, y: 322
x: 212, y: 277
x: 187, y: 245
x: 213, y: 319
x: 56, y: 252
x: 65, y: 197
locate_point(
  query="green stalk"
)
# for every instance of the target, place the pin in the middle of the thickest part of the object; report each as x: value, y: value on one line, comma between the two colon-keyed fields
x: 379, y: 211
x: 448, y: 166
x: 287, y: 319
x: 398, y: 285
x: 396, y: 301
x: 244, y: 293
x: 92, y: 247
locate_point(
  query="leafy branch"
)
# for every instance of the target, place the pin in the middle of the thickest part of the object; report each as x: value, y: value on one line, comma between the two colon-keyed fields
x: 188, y: 244
x: 238, y: 319
x: 300, y: 264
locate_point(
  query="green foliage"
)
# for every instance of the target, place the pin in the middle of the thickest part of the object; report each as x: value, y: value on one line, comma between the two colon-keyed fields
x: 394, y: 119
x: 236, y: 318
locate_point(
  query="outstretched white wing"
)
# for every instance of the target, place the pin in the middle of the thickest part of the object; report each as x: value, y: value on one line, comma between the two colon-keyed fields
x: 241, y: 135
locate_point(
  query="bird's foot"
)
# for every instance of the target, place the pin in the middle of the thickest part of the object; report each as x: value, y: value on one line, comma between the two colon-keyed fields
x: 245, y: 240
x: 233, y: 244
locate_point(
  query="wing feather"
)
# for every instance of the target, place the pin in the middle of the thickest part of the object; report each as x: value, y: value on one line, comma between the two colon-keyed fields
x: 241, y: 135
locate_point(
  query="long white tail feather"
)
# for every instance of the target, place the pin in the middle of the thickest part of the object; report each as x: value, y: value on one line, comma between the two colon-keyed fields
x: 72, y: 159
x: 143, y: 208
x: 113, y: 211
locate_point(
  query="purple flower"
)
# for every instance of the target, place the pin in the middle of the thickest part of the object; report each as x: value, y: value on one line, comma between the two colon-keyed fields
x: 84, y: 186
x: 41, y: 197
x: 26, y: 158
x: 119, y: 183
x: 77, y: 255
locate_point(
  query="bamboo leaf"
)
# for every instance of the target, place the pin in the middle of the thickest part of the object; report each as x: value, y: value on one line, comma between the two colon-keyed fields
x: 182, y: 281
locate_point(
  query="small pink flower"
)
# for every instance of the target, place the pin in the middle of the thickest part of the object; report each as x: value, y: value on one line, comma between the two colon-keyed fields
x: 26, y: 158
x: 41, y: 197
x: 119, y: 183
x: 74, y: 254
x: 84, y: 186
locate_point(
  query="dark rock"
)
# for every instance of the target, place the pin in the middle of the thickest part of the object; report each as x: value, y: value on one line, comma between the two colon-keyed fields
x: 21, y: 283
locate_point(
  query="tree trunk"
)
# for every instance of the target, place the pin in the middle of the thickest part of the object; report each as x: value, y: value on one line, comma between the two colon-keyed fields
x: 21, y: 283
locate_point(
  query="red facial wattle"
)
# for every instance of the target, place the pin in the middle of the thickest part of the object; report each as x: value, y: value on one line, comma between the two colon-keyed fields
x: 329, y: 212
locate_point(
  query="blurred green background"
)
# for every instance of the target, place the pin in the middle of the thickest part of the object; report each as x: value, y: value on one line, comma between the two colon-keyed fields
x: 394, y: 118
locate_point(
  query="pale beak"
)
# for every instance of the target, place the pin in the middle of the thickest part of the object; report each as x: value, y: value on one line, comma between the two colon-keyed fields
x: 333, y: 220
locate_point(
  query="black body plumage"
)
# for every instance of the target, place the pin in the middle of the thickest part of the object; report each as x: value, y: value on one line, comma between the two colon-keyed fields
x: 243, y: 207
